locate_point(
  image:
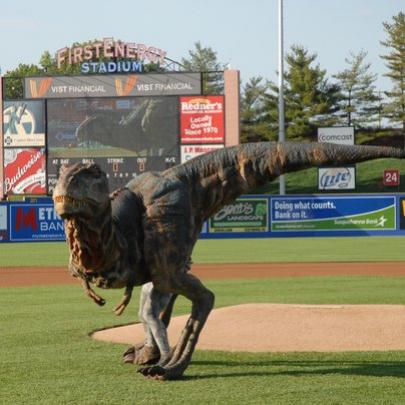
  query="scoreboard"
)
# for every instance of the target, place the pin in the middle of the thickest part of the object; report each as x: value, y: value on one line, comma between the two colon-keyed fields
x: 125, y: 135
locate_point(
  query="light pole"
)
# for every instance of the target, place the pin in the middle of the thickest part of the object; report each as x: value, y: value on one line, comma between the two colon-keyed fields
x: 281, y: 118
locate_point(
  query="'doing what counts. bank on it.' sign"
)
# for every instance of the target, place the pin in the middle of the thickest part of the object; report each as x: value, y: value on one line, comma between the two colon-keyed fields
x: 298, y: 214
x: 243, y: 215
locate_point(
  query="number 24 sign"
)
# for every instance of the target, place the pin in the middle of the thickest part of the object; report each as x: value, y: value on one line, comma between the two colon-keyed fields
x: 391, y: 177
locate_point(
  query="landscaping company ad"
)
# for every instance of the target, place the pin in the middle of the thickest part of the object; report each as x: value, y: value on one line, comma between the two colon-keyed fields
x: 243, y: 215
x: 368, y: 213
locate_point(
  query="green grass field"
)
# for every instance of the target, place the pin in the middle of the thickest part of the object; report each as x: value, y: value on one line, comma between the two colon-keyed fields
x: 359, y: 249
x: 47, y: 356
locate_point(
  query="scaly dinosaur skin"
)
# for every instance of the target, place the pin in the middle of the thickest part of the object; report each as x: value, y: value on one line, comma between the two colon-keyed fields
x: 147, y: 231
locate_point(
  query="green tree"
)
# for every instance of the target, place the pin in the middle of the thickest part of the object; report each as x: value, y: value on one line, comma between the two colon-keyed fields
x: 204, y: 59
x: 310, y: 100
x: 253, y: 114
x: 359, y: 98
x: 14, y: 80
x: 395, y: 62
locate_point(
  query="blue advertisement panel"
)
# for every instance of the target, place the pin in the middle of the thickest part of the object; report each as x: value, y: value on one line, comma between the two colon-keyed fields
x: 3, y: 223
x: 34, y: 222
x: 251, y: 216
x: 368, y: 213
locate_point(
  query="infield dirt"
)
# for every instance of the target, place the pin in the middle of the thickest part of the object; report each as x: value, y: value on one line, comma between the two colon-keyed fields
x: 267, y: 327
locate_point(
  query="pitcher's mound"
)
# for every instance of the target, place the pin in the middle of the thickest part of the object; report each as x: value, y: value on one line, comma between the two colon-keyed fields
x: 285, y: 328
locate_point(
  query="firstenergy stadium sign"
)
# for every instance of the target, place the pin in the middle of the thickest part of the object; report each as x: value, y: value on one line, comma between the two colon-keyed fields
x: 113, y: 85
x: 109, y: 56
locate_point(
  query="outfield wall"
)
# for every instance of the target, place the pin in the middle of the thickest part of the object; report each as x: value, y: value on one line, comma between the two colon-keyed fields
x: 251, y: 216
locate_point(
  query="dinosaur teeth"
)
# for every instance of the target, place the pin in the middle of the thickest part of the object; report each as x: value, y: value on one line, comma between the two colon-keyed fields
x: 69, y: 200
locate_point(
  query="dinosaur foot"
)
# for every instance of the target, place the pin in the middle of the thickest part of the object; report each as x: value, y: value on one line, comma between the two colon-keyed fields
x: 162, y: 373
x: 141, y: 354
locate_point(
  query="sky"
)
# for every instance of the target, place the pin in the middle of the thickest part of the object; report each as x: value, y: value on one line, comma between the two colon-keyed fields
x: 244, y: 33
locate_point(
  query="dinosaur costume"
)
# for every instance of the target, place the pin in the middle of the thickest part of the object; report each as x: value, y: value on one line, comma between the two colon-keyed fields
x: 147, y: 231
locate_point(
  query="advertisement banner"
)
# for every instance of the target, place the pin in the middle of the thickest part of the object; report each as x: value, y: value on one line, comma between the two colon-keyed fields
x: 346, y: 213
x: 402, y: 213
x: 35, y: 222
x: 202, y: 119
x: 3, y: 223
x: 191, y: 151
x: 1, y: 140
x: 337, y: 178
x: 339, y: 135
x: 24, y: 123
x: 243, y: 215
x: 24, y: 171
x: 155, y: 84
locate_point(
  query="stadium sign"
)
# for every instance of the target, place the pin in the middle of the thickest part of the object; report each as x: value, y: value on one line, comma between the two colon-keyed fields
x: 24, y: 123
x: 339, y: 135
x: 108, y: 49
x: 191, y: 151
x: 202, y: 119
x: 337, y: 178
x: 125, y: 66
x: 24, y: 171
x: 154, y: 84
x: 243, y: 215
x: 328, y: 214
x: 35, y: 222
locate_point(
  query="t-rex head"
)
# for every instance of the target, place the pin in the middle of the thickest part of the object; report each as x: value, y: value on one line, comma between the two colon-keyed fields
x: 81, y: 191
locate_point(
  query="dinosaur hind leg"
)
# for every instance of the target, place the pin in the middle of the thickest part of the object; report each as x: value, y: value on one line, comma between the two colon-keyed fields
x: 154, y: 312
x: 202, y: 302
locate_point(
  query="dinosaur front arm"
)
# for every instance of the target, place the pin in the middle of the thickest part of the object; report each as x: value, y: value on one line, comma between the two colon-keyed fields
x: 92, y: 294
x: 119, y: 309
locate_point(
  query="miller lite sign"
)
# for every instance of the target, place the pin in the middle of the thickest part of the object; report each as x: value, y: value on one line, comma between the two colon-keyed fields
x: 337, y: 178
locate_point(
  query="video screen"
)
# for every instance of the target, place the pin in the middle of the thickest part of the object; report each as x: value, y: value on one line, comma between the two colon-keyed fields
x: 112, y: 127
x: 125, y: 136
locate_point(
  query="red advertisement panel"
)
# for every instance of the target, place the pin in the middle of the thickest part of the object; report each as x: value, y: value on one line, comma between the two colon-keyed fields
x: 24, y: 171
x: 391, y: 177
x: 202, y: 119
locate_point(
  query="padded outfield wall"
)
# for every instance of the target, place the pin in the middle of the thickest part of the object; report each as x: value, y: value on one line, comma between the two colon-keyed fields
x: 251, y: 216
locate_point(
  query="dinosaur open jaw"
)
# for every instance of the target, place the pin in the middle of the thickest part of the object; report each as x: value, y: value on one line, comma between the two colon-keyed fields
x: 67, y: 206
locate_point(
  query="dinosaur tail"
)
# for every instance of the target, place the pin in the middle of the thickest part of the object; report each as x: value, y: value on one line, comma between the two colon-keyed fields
x: 219, y: 177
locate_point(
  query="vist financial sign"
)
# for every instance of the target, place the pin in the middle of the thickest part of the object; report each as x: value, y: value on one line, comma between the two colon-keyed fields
x: 113, y: 85
x: 298, y: 214
x: 202, y: 119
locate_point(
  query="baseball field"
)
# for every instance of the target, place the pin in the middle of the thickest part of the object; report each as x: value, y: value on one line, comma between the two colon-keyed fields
x: 48, y: 357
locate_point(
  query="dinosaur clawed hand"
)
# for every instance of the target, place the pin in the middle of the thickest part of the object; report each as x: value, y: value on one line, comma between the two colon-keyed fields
x: 119, y: 309
x: 92, y: 294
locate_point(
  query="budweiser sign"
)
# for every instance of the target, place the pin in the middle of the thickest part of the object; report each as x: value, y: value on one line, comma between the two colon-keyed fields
x: 24, y: 171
